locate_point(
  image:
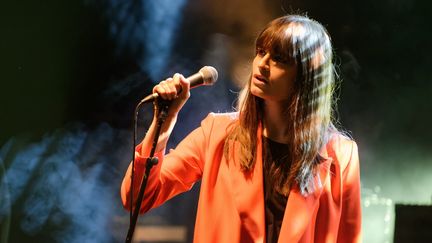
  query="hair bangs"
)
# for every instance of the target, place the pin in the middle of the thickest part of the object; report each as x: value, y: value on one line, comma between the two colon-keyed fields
x: 278, y: 41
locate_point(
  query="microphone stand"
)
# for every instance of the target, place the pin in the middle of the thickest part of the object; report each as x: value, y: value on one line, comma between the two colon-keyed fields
x: 151, y: 161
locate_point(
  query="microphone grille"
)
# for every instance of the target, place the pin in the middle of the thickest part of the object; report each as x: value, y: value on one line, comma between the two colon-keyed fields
x: 209, y: 74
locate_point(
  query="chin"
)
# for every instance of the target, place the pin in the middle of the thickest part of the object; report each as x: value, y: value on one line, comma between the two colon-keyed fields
x: 257, y: 92
x: 260, y: 94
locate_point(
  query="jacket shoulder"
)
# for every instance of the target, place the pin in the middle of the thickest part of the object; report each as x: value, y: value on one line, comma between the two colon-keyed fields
x: 219, y: 120
x: 341, y: 149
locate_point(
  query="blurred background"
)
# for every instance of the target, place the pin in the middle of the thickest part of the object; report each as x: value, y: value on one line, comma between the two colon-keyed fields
x: 72, y: 72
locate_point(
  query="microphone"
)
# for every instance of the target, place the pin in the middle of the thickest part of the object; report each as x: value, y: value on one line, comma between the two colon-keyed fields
x: 207, y: 75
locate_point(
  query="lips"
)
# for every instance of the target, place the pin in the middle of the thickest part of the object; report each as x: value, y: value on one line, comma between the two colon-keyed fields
x: 260, y: 78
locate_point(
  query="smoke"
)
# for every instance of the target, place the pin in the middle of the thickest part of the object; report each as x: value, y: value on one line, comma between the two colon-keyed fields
x: 62, y: 187
x: 146, y: 29
x: 4, y: 204
x: 22, y: 166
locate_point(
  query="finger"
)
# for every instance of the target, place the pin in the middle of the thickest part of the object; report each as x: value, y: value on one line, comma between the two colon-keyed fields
x: 170, y: 91
x: 160, y: 90
x: 174, y: 86
x: 164, y: 89
x: 160, y: 84
x: 184, y: 86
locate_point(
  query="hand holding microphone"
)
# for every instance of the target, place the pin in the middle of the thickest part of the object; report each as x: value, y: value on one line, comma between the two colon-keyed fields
x: 176, y: 89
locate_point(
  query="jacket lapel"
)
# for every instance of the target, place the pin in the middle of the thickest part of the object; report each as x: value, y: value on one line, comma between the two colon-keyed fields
x: 249, y: 194
x: 300, y: 209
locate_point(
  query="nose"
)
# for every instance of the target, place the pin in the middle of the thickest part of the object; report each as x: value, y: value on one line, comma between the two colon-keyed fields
x: 263, y: 63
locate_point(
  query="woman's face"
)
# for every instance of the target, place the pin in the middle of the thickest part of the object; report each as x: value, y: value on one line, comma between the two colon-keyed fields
x: 273, y: 76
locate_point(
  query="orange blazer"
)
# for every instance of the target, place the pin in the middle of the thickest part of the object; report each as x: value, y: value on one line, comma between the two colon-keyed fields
x: 231, y: 202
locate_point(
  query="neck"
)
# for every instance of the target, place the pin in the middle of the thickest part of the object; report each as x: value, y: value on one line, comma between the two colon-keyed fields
x: 276, y: 122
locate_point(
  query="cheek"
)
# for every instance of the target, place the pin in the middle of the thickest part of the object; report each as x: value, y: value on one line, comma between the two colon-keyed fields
x: 285, y: 88
x: 290, y: 80
x: 255, y: 63
x: 289, y: 86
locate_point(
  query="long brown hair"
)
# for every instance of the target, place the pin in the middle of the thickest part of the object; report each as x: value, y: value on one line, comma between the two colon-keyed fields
x: 309, y: 112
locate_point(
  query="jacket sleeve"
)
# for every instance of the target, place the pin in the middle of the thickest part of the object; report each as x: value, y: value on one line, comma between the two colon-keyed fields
x: 176, y: 172
x: 350, y: 224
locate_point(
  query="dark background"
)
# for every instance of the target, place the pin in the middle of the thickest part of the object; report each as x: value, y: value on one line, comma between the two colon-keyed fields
x: 72, y: 72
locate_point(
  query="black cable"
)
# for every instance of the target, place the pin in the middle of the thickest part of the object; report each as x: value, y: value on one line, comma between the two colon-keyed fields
x: 135, y: 122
